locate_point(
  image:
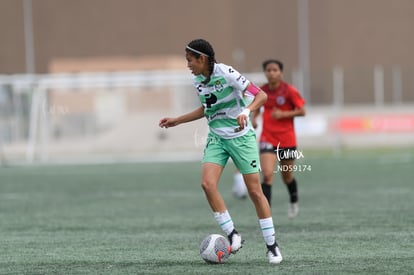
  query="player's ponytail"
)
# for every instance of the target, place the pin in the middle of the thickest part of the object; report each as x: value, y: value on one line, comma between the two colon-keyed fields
x: 200, y: 47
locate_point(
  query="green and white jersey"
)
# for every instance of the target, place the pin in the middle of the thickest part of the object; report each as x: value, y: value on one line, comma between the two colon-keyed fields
x: 223, y: 100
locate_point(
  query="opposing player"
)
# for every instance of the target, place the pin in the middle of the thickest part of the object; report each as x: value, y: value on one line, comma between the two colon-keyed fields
x: 278, y: 139
x: 220, y: 89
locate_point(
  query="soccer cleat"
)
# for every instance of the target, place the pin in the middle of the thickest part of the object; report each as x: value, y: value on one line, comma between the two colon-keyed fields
x: 236, y: 241
x: 273, y: 254
x: 293, y: 210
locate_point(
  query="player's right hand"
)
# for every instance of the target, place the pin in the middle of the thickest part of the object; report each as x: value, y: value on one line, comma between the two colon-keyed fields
x: 243, y: 119
x: 168, y: 122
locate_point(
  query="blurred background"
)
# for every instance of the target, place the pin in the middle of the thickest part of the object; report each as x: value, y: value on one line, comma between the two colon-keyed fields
x: 88, y: 81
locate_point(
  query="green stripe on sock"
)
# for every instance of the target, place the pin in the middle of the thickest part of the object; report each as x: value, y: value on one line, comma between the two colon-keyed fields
x: 267, y: 228
x: 225, y: 222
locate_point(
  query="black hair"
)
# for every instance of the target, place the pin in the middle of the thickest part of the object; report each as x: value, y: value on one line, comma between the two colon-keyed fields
x: 199, y: 47
x: 270, y: 61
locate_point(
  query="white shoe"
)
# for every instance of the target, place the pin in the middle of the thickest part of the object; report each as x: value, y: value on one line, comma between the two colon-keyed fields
x: 239, y: 189
x: 293, y: 210
x: 236, y: 241
x: 273, y: 254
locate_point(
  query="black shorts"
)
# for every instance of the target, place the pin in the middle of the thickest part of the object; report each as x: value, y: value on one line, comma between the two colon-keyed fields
x: 283, y: 153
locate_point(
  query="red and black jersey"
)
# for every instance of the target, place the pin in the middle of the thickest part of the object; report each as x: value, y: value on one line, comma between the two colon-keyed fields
x: 280, y: 131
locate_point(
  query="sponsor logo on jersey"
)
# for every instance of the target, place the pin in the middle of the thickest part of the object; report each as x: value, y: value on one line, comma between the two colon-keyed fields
x: 216, y: 115
x: 241, y: 79
x: 199, y: 89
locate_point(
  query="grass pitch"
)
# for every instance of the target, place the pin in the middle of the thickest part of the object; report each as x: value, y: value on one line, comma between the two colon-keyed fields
x: 356, y: 216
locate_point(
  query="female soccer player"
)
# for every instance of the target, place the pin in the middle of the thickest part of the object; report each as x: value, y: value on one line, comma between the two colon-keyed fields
x: 220, y: 89
x: 278, y: 139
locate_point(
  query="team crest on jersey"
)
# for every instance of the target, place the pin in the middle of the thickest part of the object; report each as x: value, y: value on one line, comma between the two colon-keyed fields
x: 280, y: 100
x: 218, y: 86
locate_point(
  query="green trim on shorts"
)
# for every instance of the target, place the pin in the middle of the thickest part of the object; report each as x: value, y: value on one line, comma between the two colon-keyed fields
x: 243, y: 151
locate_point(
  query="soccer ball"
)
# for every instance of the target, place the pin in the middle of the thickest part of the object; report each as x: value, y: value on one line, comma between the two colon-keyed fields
x: 215, y: 249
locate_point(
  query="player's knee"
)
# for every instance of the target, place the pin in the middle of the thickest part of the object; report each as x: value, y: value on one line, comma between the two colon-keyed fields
x: 208, y: 185
x: 267, y: 176
x: 255, y: 194
x: 287, y: 177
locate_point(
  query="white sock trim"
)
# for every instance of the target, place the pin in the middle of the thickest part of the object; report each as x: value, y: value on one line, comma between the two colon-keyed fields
x: 224, y: 221
x: 268, y: 230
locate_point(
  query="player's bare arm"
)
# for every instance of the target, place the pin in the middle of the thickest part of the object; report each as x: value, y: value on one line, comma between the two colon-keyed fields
x: 258, y: 101
x: 174, y: 121
x: 279, y: 114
